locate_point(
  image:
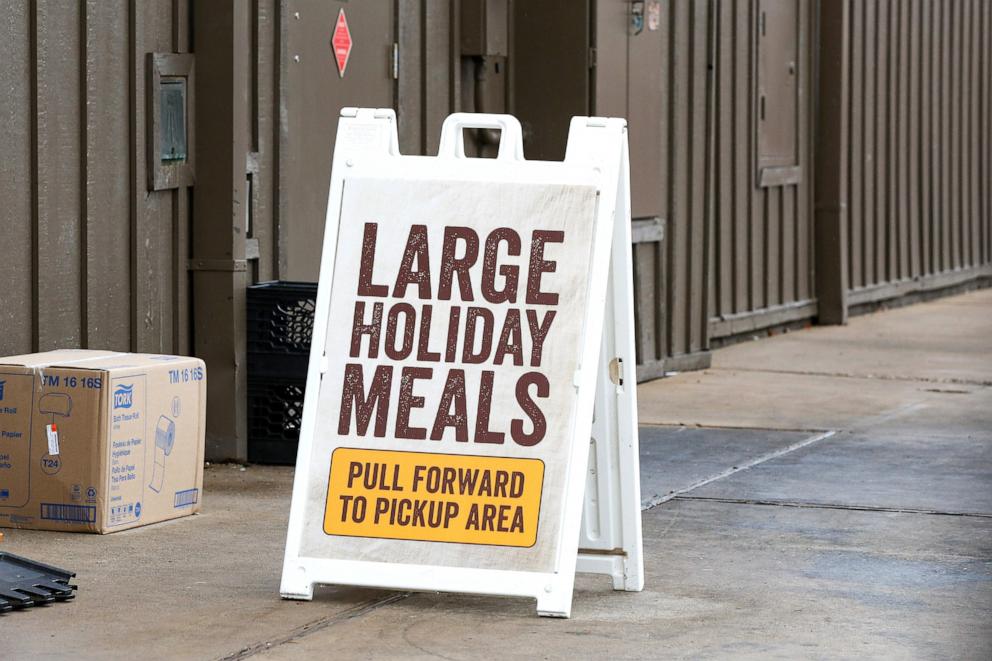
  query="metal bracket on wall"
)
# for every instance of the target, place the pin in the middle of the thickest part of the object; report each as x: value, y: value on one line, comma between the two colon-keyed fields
x: 647, y: 230
x: 170, y: 125
x: 231, y: 265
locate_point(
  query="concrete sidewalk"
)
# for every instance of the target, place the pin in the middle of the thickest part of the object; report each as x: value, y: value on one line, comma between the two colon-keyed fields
x: 825, y: 493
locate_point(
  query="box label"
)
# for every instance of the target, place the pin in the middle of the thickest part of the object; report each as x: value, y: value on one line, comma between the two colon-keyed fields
x: 16, y: 412
x: 53, y: 439
x: 433, y: 497
x: 128, y: 432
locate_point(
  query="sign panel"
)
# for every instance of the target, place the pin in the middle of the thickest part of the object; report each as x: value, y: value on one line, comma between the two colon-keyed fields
x: 422, y: 496
x: 455, y: 321
x: 457, y: 342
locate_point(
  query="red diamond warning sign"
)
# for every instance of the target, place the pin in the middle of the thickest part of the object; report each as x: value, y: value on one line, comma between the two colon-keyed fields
x: 341, y: 42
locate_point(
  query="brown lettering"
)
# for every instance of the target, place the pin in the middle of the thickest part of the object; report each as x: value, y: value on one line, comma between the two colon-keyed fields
x: 510, y: 339
x: 538, y: 333
x: 371, y: 329
x: 452, y: 266
x: 540, y: 266
x: 416, y: 248
x: 392, y: 321
x: 365, y: 286
x: 353, y: 397
x: 482, y: 432
x: 531, y: 409
x: 469, y: 354
x: 454, y: 393
x: 424, y: 354
x: 409, y: 401
x: 510, y: 272
x: 454, y: 321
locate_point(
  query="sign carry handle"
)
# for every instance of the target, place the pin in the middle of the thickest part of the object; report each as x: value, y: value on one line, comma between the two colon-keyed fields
x: 511, y: 143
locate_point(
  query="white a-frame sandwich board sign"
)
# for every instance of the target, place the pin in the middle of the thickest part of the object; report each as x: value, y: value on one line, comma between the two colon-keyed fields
x: 473, y: 332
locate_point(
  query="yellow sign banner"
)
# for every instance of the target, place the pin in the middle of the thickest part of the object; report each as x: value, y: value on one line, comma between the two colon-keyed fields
x: 430, y: 497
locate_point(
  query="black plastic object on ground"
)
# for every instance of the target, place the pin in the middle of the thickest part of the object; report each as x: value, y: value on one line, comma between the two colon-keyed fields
x: 279, y: 329
x: 25, y: 583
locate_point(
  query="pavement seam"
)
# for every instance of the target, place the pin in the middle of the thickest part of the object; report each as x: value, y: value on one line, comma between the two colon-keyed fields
x: 659, y: 499
x: 706, y: 425
x: 833, y: 506
x: 850, y: 375
x: 309, y: 628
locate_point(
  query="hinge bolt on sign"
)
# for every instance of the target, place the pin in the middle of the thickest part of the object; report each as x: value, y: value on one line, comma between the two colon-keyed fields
x: 471, y: 316
x: 341, y: 42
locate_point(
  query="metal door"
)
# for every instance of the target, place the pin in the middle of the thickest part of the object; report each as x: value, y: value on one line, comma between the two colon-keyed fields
x: 316, y: 90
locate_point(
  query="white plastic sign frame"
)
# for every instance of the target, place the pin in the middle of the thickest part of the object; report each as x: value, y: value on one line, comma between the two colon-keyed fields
x: 600, y: 530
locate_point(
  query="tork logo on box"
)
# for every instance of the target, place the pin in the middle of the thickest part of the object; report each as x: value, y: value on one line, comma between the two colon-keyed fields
x: 123, y: 396
x: 1, y: 389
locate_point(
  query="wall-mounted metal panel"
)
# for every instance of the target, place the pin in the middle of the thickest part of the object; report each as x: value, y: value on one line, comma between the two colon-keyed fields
x: 315, y: 92
x: 762, y: 266
x: 778, y: 34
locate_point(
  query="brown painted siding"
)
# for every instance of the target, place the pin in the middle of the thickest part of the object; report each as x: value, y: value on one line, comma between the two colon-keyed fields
x: 762, y: 267
x: 918, y: 152
x: 266, y: 73
x: 670, y: 275
x: 89, y: 257
x: 428, y: 78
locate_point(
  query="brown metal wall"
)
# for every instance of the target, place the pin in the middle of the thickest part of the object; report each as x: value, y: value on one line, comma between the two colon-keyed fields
x: 429, y: 80
x: 762, y: 264
x: 423, y: 89
x: 715, y: 252
x: 88, y: 256
x: 267, y: 54
x: 670, y: 275
x: 732, y: 255
x: 919, y: 145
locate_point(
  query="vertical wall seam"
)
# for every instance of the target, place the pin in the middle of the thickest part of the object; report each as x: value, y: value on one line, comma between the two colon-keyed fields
x: 670, y: 188
x: 895, y: 150
x: 35, y: 200
x: 709, y: 170
x: 955, y: 135
x: 984, y: 115
x: 753, y: 284
x: 175, y: 195
x: 278, y: 172
x: 848, y: 153
x: 84, y: 228
x: 688, y: 180
x: 253, y: 26
x: 132, y: 52
x: 734, y: 151
x: 424, y: 87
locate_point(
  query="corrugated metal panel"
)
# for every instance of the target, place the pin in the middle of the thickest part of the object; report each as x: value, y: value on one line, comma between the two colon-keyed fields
x: 919, y: 145
x: 762, y: 266
x: 670, y: 276
x: 89, y: 257
x: 17, y: 107
x: 427, y: 42
x: 266, y: 135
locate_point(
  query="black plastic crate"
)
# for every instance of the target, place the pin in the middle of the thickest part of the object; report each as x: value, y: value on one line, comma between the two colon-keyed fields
x: 275, y: 411
x: 280, y: 317
x: 280, y: 325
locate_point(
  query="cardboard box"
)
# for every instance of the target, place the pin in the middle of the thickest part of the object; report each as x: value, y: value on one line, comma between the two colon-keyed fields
x: 97, y: 441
